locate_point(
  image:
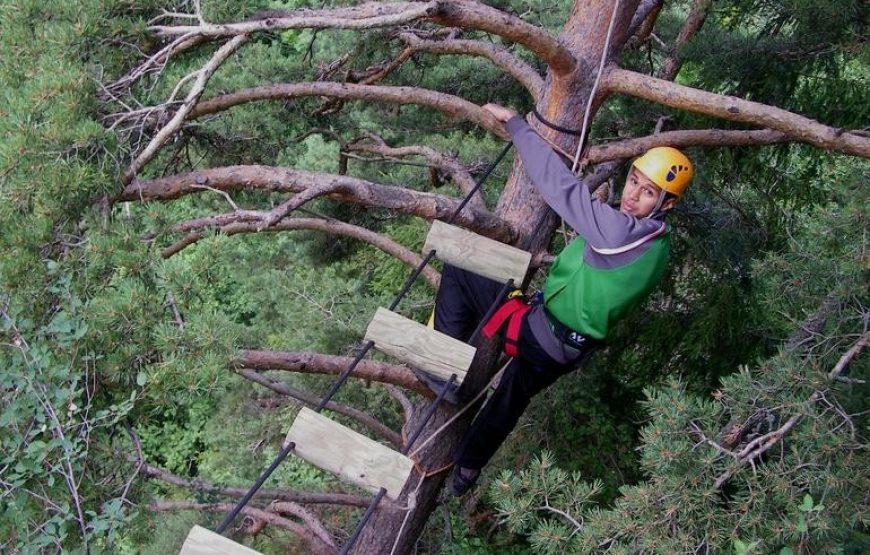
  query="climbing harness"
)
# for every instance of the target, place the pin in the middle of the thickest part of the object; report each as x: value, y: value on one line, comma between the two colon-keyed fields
x: 512, y: 313
x: 290, y: 446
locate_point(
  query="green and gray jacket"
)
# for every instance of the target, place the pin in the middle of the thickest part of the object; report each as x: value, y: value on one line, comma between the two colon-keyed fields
x: 614, y: 264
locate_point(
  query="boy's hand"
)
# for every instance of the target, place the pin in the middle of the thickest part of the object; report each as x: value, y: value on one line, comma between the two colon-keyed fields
x: 501, y: 113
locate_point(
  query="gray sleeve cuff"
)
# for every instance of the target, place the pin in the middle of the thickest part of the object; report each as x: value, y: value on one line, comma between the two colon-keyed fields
x: 515, y: 125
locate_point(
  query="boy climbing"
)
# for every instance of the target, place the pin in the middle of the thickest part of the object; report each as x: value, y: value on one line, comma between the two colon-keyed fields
x: 617, y: 259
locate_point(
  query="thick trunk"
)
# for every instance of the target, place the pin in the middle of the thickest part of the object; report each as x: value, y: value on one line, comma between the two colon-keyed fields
x: 564, y: 102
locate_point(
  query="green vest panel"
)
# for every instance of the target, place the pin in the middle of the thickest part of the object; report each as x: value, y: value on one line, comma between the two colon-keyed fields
x: 591, y: 300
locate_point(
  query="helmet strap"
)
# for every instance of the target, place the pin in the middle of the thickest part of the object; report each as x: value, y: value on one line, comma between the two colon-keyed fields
x: 658, y: 206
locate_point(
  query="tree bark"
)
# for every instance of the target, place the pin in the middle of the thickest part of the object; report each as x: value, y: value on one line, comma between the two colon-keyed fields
x: 798, y: 127
x: 318, y: 363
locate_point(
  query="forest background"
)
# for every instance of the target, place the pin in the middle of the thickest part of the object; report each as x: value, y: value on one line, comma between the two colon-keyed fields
x: 118, y: 384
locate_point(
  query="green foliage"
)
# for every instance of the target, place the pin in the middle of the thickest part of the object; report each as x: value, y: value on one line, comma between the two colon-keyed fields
x: 50, y: 417
x: 102, y: 338
x: 540, y: 502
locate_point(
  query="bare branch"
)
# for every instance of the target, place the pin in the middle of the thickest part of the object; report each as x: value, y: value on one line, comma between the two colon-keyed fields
x: 499, y: 56
x: 453, y: 13
x: 306, y: 516
x: 203, y: 75
x: 278, y: 213
x: 369, y: 76
x: 446, y: 163
x: 357, y: 191
x: 760, y: 445
x: 798, y: 127
x: 179, y: 320
x: 319, y: 363
x: 365, y: 16
x: 850, y: 355
x: 227, y: 225
x: 643, y: 21
x: 140, y: 461
x: 152, y: 64
x: 312, y: 400
x: 317, y: 545
x: 402, y: 399
x: 450, y: 105
x: 473, y: 15
x: 687, y: 137
x: 694, y: 22
x: 815, y: 323
x: 313, y: 498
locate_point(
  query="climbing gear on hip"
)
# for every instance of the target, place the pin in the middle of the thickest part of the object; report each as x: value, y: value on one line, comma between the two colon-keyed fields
x: 511, y: 312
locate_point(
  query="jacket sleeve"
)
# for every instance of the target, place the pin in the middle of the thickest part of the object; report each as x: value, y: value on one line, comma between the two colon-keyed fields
x: 601, y: 225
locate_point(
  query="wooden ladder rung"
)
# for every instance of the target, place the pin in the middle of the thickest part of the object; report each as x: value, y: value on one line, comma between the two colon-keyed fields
x: 349, y: 455
x: 418, y: 345
x: 201, y: 541
x: 477, y: 254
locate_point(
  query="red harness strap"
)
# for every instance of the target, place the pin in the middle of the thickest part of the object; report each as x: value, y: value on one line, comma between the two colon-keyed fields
x: 511, y: 312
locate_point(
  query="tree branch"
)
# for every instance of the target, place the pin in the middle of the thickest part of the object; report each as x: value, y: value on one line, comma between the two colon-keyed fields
x: 312, y: 400
x: 203, y: 75
x: 473, y: 15
x: 153, y: 63
x: 315, y: 543
x: 452, y: 106
x: 499, y: 56
x: 643, y: 22
x: 311, y: 521
x: 448, y: 164
x: 850, y: 355
x: 453, y: 13
x: 319, y: 363
x: 402, y: 399
x: 365, y: 16
x: 813, y: 325
x: 281, y: 211
x: 798, y: 127
x: 694, y: 22
x: 762, y: 444
x: 313, y: 498
x: 357, y: 191
x: 228, y: 226
x: 688, y: 137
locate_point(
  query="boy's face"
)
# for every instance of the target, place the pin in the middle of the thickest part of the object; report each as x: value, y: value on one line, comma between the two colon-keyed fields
x: 640, y: 196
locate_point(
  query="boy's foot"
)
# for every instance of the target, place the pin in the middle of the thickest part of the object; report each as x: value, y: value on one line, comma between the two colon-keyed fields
x: 436, y: 385
x: 462, y: 480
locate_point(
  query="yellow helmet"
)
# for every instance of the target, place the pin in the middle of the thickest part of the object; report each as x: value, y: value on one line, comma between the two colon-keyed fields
x: 667, y: 167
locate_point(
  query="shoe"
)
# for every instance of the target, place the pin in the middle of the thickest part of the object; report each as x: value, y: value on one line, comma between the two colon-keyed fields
x: 462, y: 480
x: 436, y: 385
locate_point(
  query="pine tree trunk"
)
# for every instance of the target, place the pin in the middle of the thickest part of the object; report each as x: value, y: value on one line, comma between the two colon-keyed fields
x: 564, y: 103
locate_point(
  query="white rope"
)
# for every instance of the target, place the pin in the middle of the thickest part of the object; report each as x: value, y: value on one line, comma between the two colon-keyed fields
x: 595, y: 87
x: 412, y: 502
x: 461, y: 412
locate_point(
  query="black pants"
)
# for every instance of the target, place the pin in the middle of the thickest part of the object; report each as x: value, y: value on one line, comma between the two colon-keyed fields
x: 462, y: 302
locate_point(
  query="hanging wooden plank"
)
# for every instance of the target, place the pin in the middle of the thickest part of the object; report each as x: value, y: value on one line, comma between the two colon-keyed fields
x: 477, y: 254
x: 201, y: 541
x: 349, y: 455
x: 418, y: 345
